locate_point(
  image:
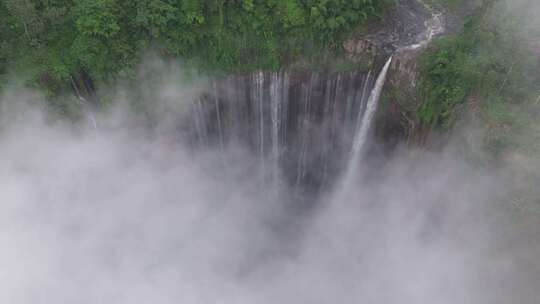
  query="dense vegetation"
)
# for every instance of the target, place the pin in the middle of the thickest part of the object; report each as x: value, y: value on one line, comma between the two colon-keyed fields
x: 490, y: 72
x: 53, y: 40
x: 489, y: 63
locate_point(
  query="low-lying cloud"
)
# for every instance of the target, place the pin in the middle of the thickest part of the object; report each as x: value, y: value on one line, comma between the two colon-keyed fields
x: 120, y: 215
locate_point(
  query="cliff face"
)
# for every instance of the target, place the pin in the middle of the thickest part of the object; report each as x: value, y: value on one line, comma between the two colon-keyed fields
x: 404, y: 33
x: 301, y: 123
x: 297, y: 124
x: 405, y: 25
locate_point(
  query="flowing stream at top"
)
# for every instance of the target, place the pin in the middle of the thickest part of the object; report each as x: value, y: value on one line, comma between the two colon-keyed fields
x: 434, y: 26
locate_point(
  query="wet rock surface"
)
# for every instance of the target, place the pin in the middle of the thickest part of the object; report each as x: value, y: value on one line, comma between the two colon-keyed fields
x: 405, y: 25
x: 300, y: 123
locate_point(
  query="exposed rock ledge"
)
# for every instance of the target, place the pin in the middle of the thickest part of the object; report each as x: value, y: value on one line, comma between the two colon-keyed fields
x: 404, y: 33
x: 409, y: 25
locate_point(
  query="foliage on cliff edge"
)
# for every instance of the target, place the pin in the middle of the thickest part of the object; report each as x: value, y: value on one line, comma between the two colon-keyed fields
x: 51, y: 40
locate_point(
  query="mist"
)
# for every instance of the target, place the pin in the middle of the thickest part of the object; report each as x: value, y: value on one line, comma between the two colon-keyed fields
x: 123, y: 213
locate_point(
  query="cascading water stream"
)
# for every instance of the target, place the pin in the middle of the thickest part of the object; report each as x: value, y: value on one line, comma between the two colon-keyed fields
x: 362, y: 131
x: 304, y: 128
x: 279, y: 87
x: 84, y: 105
x: 259, y: 97
x: 90, y: 113
x: 298, y: 124
x: 433, y: 27
x: 218, y: 116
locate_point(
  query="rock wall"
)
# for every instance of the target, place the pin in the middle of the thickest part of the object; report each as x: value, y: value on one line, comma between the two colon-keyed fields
x: 405, y: 33
x: 301, y: 123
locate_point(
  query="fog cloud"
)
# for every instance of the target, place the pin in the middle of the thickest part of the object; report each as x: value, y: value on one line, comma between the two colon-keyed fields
x: 123, y: 215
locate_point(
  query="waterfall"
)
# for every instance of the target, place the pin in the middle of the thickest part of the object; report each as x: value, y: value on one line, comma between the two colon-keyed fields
x: 278, y: 102
x: 85, y: 105
x: 369, y: 112
x: 90, y: 113
x: 304, y: 126
x: 258, y: 97
x: 199, y: 122
x: 433, y: 27
x: 300, y: 126
x: 362, y: 131
x: 218, y: 115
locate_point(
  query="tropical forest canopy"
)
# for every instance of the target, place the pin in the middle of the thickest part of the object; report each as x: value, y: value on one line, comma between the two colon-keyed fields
x: 51, y: 40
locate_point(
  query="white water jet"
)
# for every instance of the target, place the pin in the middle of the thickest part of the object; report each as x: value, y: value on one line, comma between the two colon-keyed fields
x: 277, y: 84
x: 304, y: 125
x: 363, y: 97
x: 362, y: 132
x: 84, y: 105
x: 218, y: 115
x: 434, y: 26
x: 284, y: 112
x: 200, y: 122
x: 258, y: 96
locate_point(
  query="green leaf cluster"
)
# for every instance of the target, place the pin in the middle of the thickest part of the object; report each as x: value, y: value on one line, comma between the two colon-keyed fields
x: 488, y: 63
x: 53, y: 40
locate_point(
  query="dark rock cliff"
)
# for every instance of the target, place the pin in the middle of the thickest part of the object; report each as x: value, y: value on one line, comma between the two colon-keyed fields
x: 301, y: 123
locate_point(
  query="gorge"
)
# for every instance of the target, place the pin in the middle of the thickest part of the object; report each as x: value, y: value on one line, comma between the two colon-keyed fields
x: 389, y: 165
